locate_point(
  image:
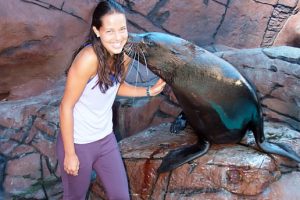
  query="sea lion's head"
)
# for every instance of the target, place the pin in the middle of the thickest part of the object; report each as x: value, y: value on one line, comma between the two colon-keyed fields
x: 161, y: 53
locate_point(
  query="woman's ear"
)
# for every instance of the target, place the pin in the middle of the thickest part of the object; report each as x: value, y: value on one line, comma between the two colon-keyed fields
x: 96, y: 31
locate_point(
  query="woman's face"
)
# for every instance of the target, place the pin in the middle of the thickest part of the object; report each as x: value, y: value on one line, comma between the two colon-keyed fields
x: 113, y: 32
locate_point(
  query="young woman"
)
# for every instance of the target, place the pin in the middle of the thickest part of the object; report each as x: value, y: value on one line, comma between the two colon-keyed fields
x: 94, y: 78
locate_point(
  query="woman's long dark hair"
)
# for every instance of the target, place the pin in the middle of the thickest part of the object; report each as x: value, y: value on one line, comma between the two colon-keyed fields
x: 108, y: 64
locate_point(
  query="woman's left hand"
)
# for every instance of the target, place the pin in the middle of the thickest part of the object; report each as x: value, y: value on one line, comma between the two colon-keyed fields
x: 157, y: 88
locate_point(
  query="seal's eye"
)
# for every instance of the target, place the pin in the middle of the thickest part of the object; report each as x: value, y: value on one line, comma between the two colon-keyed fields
x: 147, y: 40
x: 150, y: 43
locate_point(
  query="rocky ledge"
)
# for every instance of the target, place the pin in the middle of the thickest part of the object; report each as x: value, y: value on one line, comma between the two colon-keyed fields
x: 235, y: 171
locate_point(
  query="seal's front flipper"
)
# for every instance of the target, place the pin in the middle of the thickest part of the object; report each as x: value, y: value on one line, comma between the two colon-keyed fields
x: 279, y: 149
x: 178, y: 157
x: 179, y: 124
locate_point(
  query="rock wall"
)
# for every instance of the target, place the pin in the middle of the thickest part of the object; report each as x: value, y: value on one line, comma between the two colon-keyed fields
x: 37, y: 39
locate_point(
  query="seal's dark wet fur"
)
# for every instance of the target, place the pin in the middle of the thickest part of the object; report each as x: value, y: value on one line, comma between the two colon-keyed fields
x: 219, y: 103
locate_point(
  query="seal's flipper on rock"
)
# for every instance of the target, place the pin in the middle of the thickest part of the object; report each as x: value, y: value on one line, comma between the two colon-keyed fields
x: 179, y: 124
x: 178, y: 157
x: 270, y: 147
x: 279, y: 149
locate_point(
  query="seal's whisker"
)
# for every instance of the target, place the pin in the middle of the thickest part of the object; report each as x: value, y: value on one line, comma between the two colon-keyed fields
x: 131, y: 49
x: 131, y: 65
x: 147, y: 70
x: 137, y: 69
x: 128, y: 49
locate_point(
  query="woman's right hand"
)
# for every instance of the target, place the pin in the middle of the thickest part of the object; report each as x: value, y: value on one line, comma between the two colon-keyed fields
x: 71, y: 164
x: 157, y: 88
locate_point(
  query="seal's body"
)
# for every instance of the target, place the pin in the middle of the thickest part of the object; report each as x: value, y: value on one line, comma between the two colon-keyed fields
x: 219, y: 103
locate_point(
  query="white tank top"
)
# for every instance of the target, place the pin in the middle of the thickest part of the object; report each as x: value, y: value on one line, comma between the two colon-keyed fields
x: 93, y: 113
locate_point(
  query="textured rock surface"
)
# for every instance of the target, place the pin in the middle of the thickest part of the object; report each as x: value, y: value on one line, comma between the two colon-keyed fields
x: 37, y: 37
x: 225, y: 172
x: 290, y: 33
x: 27, y: 145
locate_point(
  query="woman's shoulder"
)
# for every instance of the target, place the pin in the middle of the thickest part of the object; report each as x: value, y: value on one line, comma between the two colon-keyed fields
x: 88, y: 54
x: 86, y: 60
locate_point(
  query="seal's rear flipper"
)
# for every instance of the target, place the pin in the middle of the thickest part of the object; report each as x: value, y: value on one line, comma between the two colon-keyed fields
x: 279, y: 149
x: 178, y: 157
x: 269, y: 147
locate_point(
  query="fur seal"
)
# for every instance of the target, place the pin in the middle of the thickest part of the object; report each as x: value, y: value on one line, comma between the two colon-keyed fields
x: 219, y: 103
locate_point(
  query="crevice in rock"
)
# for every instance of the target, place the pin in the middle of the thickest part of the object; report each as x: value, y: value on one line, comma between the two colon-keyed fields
x: 206, y: 2
x: 25, y: 45
x: 221, y: 3
x: 221, y: 22
x: 282, y: 114
x: 45, y: 135
x: 168, y: 183
x: 269, y: 95
x: 2, y: 172
x: 43, y: 177
x: 136, y: 25
x: 259, y: 2
x: 20, y: 155
x: 287, y: 59
x: 283, y: 58
x: 26, y: 129
x: 50, y: 6
x: 4, y: 95
x: 187, y: 192
x: 128, y: 4
x: 153, y: 14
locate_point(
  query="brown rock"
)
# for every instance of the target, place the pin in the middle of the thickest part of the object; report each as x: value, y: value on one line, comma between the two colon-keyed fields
x: 290, y: 34
x: 46, y: 147
x: 249, y: 28
x: 288, y: 3
x: 225, y: 172
x: 142, y: 6
x: 27, y: 165
x: 16, y: 186
x: 38, y: 48
x: 198, y: 20
x: 147, y: 112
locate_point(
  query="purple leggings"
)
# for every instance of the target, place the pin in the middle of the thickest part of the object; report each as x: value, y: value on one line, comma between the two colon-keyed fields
x: 104, y: 157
